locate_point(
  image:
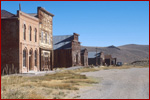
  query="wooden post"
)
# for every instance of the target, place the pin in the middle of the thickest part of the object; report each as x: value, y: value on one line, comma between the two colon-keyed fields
x: 96, y: 56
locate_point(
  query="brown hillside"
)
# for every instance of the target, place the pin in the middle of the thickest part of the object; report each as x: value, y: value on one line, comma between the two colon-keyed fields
x: 125, y: 53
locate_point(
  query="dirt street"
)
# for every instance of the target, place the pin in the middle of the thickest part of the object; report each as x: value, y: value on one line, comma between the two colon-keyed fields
x: 130, y: 83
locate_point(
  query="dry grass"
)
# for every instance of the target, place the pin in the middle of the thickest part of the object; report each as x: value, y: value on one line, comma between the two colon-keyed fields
x: 50, y: 86
x: 86, y: 69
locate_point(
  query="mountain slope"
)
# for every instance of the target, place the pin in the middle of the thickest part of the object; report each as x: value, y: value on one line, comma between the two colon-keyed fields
x: 125, y: 53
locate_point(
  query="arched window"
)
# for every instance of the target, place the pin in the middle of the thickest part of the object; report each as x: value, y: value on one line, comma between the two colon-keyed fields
x: 24, y: 32
x: 35, y: 58
x: 35, y: 34
x: 30, y: 33
x: 42, y: 36
x: 24, y: 58
x: 45, y: 37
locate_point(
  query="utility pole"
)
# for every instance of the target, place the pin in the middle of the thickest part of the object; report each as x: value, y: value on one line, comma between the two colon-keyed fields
x: 96, y: 57
x: 19, y: 6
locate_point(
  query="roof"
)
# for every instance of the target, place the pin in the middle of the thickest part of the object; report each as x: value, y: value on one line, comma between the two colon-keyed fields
x: 62, y: 42
x: 33, y: 14
x: 93, y: 54
x: 6, y: 14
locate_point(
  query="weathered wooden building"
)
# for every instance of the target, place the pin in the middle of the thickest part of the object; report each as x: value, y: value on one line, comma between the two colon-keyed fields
x: 94, y: 58
x: 84, y: 57
x: 100, y: 59
x: 109, y: 60
x: 66, y: 51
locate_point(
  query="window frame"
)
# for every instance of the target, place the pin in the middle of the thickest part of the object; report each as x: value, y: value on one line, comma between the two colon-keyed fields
x: 24, y: 32
x: 30, y: 33
x: 35, y: 35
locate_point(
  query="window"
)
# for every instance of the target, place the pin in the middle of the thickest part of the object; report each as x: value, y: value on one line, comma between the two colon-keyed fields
x: 30, y: 33
x: 35, y: 57
x: 49, y: 39
x: 35, y: 35
x: 45, y: 37
x: 42, y: 36
x: 24, y: 32
x: 24, y: 58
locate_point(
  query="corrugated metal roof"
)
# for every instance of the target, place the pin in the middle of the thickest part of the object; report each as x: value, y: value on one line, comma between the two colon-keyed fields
x: 93, y: 54
x: 62, y: 42
x: 6, y: 14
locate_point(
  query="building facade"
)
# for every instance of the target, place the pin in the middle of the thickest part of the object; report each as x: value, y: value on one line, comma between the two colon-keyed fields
x: 45, y: 39
x: 20, y: 43
x: 66, y: 51
x: 27, y: 41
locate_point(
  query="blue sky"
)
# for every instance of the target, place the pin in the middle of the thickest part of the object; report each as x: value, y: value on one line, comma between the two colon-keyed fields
x: 99, y: 23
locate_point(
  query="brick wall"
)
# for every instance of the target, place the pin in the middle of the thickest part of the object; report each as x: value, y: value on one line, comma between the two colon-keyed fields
x: 10, y: 44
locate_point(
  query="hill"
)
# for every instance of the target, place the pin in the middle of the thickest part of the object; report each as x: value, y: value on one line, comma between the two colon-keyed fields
x: 126, y: 53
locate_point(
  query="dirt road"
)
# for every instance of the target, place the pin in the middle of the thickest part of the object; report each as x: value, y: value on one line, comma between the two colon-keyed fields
x: 118, y: 84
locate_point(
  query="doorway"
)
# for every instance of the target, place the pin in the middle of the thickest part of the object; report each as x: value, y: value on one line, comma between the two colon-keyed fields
x: 45, y: 61
x: 31, y: 61
x: 77, y: 59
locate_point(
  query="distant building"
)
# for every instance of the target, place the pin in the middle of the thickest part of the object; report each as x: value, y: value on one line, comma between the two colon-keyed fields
x: 100, y: 59
x: 93, y: 58
x: 84, y: 57
x: 66, y: 51
x: 109, y: 60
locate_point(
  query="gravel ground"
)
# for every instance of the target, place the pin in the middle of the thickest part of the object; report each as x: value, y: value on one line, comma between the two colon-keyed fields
x: 118, y: 84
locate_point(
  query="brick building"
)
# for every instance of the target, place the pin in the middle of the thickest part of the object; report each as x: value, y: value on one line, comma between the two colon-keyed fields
x: 20, y: 42
x: 26, y: 41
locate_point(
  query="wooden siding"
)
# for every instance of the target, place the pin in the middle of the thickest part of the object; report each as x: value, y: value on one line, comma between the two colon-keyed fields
x: 62, y: 58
